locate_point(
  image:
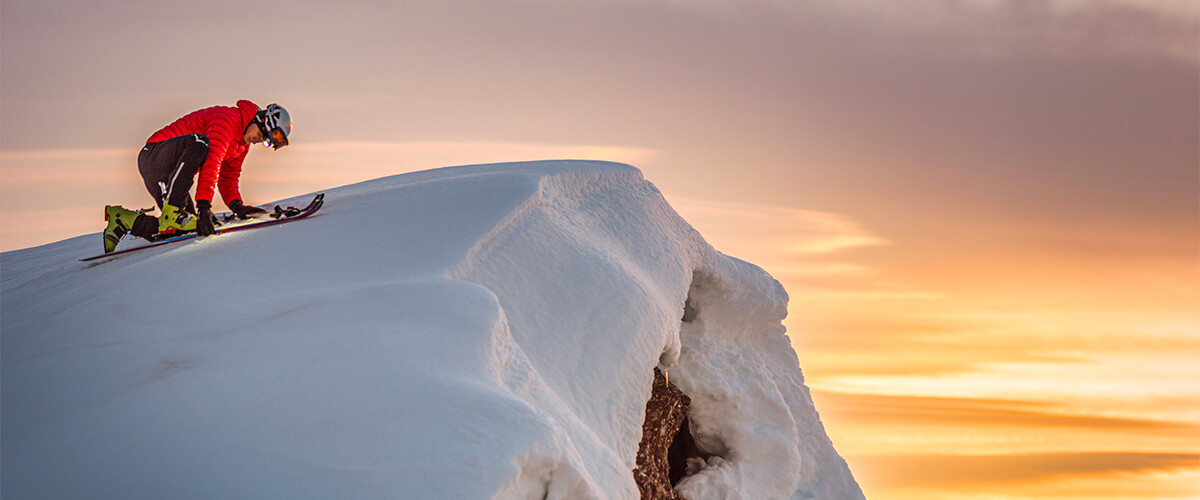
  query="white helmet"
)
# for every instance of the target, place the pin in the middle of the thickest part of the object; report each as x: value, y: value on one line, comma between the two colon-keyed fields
x: 276, y: 125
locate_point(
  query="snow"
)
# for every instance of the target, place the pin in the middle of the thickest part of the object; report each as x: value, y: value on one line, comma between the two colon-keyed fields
x: 483, y: 331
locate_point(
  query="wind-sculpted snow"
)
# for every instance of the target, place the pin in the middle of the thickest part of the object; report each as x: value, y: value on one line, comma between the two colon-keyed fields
x: 473, y: 332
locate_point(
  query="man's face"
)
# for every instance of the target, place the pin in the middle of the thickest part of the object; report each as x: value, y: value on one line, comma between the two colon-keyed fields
x: 254, y: 134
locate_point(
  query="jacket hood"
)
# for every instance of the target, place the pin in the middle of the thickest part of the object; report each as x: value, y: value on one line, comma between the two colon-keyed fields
x: 248, y: 110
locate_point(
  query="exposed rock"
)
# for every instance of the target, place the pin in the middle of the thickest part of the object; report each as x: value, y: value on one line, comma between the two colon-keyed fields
x: 667, y: 442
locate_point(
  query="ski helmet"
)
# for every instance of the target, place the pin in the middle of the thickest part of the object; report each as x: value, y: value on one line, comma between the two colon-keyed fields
x: 276, y: 125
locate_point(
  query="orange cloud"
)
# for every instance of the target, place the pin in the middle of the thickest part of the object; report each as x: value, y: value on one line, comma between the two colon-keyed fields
x: 781, y: 231
x: 1051, y: 475
x: 985, y: 413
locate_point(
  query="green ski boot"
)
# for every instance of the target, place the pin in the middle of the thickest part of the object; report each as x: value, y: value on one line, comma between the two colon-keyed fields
x: 120, y: 222
x: 174, y: 220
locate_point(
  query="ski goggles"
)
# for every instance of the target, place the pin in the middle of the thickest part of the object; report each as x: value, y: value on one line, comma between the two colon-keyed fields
x: 276, y: 138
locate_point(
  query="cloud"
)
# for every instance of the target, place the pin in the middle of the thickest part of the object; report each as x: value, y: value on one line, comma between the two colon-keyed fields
x: 1058, y: 28
x: 79, y: 182
x: 809, y: 251
x: 1052, y: 475
x: 782, y: 231
x: 983, y: 413
x: 965, y: 448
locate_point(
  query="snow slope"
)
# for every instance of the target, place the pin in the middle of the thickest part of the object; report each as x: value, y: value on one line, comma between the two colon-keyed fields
x: 471, y: 332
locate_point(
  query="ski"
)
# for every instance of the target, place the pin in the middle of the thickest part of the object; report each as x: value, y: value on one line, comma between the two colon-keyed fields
x: 279, y: 216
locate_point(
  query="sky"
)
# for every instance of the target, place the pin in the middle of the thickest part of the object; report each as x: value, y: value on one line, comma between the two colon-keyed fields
x: 986, y: 212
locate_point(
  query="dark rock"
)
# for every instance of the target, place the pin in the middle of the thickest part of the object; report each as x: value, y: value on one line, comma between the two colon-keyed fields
x: 666, y: 444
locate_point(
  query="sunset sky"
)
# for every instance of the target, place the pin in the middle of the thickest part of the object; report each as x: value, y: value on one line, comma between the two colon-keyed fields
x: 986, y: 212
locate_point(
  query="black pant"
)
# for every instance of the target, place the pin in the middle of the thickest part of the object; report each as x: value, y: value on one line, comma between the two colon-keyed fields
x: 169, y: 168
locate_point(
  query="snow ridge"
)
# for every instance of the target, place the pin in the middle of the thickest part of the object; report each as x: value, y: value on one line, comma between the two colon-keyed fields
x: 494, y: 336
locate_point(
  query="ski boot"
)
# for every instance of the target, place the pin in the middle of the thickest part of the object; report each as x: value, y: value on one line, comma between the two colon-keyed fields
x: 175, y: 220
x: 122, y: 221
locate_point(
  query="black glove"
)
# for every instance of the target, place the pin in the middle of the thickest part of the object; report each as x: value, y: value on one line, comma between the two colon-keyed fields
x: 243, y: 211
x: 205, y: 220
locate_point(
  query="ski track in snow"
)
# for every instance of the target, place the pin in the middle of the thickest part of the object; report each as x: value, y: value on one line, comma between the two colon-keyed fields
x: 484, y: 331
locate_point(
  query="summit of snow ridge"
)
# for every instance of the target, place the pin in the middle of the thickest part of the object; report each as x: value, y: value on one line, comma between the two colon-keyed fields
x: 476, y: 331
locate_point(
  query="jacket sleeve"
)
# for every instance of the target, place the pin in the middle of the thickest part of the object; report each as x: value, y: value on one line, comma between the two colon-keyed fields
x: 227, y: 181
x: 220, y: 134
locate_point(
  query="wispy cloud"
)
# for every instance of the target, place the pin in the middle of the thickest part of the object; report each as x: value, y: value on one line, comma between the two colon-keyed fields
x: 793, y: 244
x: 1105, y: 354
x: 1053, y: 27
x: 789, y: 231
x: 944, y: 447
x: 986, y: 414
x: 76, y: 183
x: 1053, y: 475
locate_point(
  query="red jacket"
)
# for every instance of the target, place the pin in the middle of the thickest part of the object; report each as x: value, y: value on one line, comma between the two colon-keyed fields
x: 225, y: 127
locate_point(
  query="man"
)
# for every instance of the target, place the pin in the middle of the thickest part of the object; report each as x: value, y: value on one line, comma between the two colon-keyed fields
x: 212, y: 143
